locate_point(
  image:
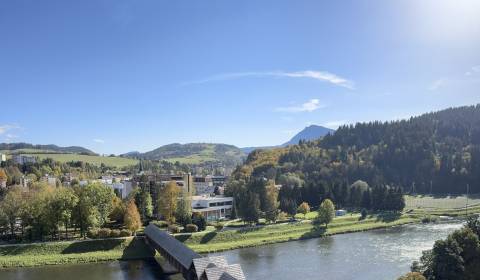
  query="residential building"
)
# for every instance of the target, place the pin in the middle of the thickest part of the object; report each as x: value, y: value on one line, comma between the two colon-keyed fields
x: 122, y: 189
x: 3, y: 157
x: 23, y: 159
x: 52, y: 181
x: 212, y: 207
x: 203, y: 185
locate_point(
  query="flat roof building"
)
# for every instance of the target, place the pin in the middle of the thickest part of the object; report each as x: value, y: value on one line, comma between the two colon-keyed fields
x: 213, y: 207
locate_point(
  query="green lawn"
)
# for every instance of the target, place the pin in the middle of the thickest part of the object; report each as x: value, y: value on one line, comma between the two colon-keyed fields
x: 433, y: 202
x: 118, y: 162
x: 205, y: 242
x: 73, y: 252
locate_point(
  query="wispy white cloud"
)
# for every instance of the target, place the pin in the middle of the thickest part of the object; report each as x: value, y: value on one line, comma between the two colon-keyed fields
x: 100, y: 141
x: 437, y: 84
x: 472, y: 75
x: 317, y: 75
x: 309, y: 106
x: 7, y: 127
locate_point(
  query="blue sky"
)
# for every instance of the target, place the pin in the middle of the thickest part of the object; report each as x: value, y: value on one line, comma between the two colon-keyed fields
x: 116, y: 76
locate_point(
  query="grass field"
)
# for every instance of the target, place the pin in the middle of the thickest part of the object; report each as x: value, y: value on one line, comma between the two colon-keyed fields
x: 205, y: 242
x: 445, y: 202
x: 73, y: 252
x: 96, y: 160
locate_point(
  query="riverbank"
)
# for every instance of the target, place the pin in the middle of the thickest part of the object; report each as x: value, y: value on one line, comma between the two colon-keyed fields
x: 102, y: 250
x: 210, y: 242
x: 87, y: 251
x: 233, y: 239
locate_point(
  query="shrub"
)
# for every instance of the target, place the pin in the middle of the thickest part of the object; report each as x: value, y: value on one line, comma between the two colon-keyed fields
x: 429, y: 219
x: 191, y: 228
x: 200, y: 221
x: 282, y: 216
x: 219, y: 226
x: 160, y: 224
x: 92, y: 233
x: 104, y: 233
x: 363, y: 214
x: 115, y: 233
x: 125, y: 233
x: 173, y: 229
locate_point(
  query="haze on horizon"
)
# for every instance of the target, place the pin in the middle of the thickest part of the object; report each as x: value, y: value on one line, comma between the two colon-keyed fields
x: 116, y: 76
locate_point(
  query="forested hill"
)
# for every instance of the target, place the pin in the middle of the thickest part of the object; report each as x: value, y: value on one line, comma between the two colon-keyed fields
x: 21, y: 147
x: 436, y: 152
x: 196, y: 153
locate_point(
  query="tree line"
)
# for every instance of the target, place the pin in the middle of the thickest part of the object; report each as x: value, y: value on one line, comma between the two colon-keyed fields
x: 43, y: 212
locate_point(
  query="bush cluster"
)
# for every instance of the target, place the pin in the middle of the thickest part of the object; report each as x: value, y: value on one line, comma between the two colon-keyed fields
x: 108, y: 233
x: 173, y: 229
x: 191, y: 228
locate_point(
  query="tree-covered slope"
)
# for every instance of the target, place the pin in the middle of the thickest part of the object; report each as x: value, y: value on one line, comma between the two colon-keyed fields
x: 197, y: 153
x: 22, y: 147
x: 436, y: 152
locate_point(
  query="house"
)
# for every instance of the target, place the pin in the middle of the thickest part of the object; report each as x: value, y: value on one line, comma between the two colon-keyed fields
x: 23, y: 159
x: 122, y: 189
x: 212, y: 207
x: 3, y: 179
x: 52, y: 181
x: 340, y: 212
x: 3, y: 157
x: 203, y: 185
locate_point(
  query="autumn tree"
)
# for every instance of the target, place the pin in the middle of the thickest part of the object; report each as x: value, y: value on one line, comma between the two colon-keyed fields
x: 326, y: 212
x: 183, y: 213
x: 167, y: 201
x: 132, y: 219
x: 303, y: 208
x: 271, y: 202
x: 118, y: 209
x: 12, y: 205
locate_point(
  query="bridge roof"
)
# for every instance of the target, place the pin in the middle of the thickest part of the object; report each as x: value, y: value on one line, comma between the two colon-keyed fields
x: 229, y: 272
x: 172, y: 246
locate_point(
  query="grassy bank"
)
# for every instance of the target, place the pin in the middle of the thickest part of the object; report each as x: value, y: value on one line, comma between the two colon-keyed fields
x: 233, y: 239
x: 73, y: 252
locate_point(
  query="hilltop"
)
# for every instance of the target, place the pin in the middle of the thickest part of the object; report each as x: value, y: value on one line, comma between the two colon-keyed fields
x: 194, y: 153
x: 309, y: 133
x: 436, y: 152
x: 18, y: 148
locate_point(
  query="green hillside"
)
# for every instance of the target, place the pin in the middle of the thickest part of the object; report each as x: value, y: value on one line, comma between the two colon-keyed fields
x: 197, y: 153
x: 15, y: 148
x: 118, y: 162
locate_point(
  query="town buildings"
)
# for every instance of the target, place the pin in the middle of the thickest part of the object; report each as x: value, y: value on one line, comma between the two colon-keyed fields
x: 213, y: 207
x: 23, y: 159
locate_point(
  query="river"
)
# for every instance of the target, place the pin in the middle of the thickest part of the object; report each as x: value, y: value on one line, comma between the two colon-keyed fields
x: 379, y: 254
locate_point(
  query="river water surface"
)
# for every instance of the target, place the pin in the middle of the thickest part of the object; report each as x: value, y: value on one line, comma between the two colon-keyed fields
x: 378, y: 255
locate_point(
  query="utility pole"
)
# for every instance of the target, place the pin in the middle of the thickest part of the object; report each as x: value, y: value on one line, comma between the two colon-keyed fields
x: 431, y: 185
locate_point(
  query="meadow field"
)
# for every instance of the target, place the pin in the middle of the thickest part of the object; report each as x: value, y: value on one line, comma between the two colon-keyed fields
x: 118, y: 162
x: 440, y: 202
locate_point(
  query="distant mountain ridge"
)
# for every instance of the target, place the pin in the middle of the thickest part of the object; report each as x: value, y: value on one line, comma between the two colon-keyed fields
x: 12, y: 147
x: 312, y: 132
x: 194, y: 153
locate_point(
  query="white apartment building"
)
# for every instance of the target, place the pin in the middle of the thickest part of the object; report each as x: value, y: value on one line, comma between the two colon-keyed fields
x: 212, y: 207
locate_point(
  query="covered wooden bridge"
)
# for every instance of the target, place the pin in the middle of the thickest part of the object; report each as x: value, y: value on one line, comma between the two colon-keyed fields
x: 190, y: 264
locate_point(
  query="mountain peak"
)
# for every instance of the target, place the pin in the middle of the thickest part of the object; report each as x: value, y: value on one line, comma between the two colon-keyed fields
x: 311, y: 132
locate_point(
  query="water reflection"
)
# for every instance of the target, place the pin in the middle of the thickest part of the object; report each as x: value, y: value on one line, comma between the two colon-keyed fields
x: 131, y: 270
x: 380, y: 254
